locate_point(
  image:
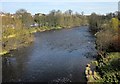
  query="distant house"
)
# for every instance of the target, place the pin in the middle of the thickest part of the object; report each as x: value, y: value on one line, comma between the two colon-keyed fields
x: 40, y: 14
x: 34, y: 25
x: 2, y: 14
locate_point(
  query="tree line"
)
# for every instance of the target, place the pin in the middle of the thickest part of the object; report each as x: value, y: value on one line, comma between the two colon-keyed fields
x: 59, y: 19
x: 17, y: 28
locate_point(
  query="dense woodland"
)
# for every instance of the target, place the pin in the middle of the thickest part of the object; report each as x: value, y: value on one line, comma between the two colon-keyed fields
x: 17, y: 31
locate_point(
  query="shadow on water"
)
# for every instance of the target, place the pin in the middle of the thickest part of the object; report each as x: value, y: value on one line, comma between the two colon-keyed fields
x: 55, y: 56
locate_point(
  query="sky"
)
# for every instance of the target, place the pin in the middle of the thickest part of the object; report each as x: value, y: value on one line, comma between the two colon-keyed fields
x: 46, y: 6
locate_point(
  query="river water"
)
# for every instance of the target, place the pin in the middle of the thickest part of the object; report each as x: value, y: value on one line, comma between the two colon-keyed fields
x: 54, y: 56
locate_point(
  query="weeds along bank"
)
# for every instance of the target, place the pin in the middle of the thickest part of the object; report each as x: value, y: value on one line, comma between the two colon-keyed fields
x: 16, y: 38
x: 13, y: 39
x: 107, y: 33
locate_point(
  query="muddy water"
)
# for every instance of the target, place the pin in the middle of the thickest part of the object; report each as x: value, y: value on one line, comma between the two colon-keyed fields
x: 54, y: 56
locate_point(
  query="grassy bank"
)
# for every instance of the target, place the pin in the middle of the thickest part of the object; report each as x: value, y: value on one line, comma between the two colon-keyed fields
x: 14, y: 39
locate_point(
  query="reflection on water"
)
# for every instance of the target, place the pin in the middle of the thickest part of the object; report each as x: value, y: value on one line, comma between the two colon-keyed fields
x: 55, y: 56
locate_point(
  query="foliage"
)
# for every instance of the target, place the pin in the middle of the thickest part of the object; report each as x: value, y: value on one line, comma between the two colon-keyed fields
x: 95, y: 22
x: 25, y: 17
x: 109, y: 67
x: 13, y: 33
x: 57, y: 18
x: 106, y: 31
x: 105, y: 28
x: 104, y: 40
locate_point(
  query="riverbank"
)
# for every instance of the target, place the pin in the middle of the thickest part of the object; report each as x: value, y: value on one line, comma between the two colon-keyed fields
x: 107, y: 68
x: 13, y: 39
x: 29, y: 32
x: 108, y: 47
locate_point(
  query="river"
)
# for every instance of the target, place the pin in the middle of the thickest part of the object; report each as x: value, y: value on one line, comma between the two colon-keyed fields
x: 54, y: 56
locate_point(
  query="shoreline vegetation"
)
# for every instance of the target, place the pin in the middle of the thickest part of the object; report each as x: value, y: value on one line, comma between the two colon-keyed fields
x: 31, y: 31
x: 107, y: 33
x: 18, y: 28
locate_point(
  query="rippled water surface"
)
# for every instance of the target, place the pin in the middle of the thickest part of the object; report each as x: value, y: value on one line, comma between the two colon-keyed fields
x: 54, y: 56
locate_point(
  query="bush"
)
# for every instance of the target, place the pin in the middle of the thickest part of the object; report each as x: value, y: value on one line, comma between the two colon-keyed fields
x: 110, y: 78
x: 109, y: 68
x: 104, y: 40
